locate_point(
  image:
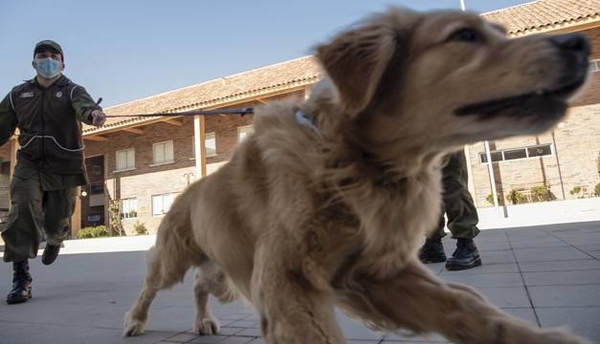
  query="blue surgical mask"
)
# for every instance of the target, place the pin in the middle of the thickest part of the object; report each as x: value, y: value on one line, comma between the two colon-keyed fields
x: 48, y: 67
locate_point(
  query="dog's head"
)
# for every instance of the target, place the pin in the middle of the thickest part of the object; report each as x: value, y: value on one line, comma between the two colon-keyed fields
x: 444, y: 79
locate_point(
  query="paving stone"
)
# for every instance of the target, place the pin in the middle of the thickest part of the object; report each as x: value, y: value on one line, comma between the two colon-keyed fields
x: 497, y: 257
x: 485, y: 268
x: 538, y: 243
x: 83, y: 297
x: 506, y: 297
x: 509, y: 279
x: 563, y: 265
x: 548, y: 254
x: 574, y: 318
x: 565, y: 296
x: 577, y: 277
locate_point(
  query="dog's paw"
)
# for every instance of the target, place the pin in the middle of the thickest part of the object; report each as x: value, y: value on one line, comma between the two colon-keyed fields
x: 132, y: 327
x: 207, y: 326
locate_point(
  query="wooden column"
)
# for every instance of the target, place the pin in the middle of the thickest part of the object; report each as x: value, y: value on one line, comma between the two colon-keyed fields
x: 76, y: 218
x: 199, y: 142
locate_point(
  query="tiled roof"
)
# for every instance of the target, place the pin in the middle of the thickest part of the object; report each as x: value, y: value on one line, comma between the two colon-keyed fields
x: 216, y: 93
x: 545, y: 14
x: 521, y: 19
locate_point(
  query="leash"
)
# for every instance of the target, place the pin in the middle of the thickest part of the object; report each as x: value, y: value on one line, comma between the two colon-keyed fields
x: 242, y: 111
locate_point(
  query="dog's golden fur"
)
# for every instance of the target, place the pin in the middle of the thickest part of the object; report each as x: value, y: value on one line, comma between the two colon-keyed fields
x: 328, y: 201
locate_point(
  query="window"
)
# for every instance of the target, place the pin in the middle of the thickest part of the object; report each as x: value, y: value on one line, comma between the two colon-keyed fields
x: 539, y: 151
x: 125, y: 159
x: 517, y: 153
x: 96, y: 188
x: 244, y: 131
x: 210, y: 144
x: 162, y: 152
x: 162, y: 203
x: 128, y: 208
x: 594, y: 65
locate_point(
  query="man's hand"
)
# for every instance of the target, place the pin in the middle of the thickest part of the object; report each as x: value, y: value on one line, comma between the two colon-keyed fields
x: 98, y: 118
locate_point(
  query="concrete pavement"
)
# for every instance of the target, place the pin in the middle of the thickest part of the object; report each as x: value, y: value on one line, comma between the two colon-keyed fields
x: 548, y: 275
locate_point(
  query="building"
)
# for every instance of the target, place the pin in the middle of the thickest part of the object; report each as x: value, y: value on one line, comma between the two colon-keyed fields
x: 142, y: 163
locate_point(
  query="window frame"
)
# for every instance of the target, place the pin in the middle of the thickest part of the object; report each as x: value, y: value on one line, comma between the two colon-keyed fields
x: 125, y: 203
x: 243, y: 131
x: 127, y: 167
x: 163, y: 211
x: 526, y: 149
x: 165, y: 145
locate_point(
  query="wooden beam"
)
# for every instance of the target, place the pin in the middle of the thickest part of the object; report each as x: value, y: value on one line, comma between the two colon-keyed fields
x: 176, y: 122
x: 96, y: 138
x: 134, y: 130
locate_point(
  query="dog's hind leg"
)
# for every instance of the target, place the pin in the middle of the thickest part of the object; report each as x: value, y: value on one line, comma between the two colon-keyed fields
x: 416, y: 300
x: 165, y: 269
x: 209, y: 279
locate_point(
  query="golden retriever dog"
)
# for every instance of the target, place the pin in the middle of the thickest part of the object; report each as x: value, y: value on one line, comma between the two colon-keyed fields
x: 328, y: 202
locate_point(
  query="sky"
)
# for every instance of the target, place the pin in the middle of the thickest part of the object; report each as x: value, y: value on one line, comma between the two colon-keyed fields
x: 124, y: 50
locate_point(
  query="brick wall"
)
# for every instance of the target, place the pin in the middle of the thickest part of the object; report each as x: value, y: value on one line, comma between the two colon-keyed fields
x: 574, y: 162
x: 147, y: 180
x: 592, y: 94
x: 577, y: 150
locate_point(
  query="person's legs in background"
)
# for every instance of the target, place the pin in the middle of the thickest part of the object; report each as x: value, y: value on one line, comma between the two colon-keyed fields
x: 22, y: 233
x: 462, y: 219
x: 58, y: 206
x: 433, y: 250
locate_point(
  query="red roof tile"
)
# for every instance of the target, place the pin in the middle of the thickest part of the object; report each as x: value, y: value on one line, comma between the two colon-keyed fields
x: 545, y: 14
x: 303, y: 71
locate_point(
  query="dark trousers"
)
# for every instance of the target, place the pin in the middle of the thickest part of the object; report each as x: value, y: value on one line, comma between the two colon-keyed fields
x: 33, y: 212
x: 457, y: 201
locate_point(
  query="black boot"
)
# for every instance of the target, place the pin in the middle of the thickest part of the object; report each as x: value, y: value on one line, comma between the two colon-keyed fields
x: 50, y: 253
x: 465, y: 256
x: 432, y: 251
x: 21, y: 288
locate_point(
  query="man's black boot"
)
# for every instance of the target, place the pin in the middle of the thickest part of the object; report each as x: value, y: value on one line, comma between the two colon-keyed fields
x: 50, y: 253
x: 432, y: 251
x: 465, y: 256
x: 21, y: 288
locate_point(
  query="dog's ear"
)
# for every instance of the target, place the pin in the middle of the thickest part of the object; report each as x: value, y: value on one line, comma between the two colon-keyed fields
x: 355, y: 61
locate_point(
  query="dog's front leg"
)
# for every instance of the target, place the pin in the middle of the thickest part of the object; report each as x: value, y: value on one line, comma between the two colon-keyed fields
x: 415, y: 299
x: 292, y: 309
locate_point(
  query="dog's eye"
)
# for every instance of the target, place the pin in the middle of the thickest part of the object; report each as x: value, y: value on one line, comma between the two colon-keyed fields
x: 465, y: 35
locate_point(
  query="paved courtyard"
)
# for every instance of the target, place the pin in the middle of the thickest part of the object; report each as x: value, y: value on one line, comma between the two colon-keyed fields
x: 547, y: 275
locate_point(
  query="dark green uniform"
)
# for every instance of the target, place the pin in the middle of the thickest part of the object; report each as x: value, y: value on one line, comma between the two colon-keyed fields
x: 458, y: 203
x: 50, y: 161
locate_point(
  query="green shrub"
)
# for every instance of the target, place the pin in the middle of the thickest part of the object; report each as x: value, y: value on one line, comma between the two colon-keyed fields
x: 597, y: 190
x: 490, y: 199
x: 575, y: 190
x: 140, y: 228
x: 515, y: 197
x: 92, y: 232
x: 539, y: 193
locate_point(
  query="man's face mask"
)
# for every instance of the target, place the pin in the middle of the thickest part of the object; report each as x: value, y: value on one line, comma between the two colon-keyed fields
x: 47, y: 67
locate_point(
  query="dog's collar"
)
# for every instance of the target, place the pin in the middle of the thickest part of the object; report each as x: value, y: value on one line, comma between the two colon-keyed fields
x: 307, y: 121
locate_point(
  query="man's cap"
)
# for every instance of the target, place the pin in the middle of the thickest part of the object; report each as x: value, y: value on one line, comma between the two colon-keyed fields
x: 50, y: 46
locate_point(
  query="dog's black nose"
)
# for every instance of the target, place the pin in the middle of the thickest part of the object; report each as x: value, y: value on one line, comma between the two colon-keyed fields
x: 575, y: 42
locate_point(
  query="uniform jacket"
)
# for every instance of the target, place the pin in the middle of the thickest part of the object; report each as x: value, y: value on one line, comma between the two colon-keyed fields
x: 49, y: 123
